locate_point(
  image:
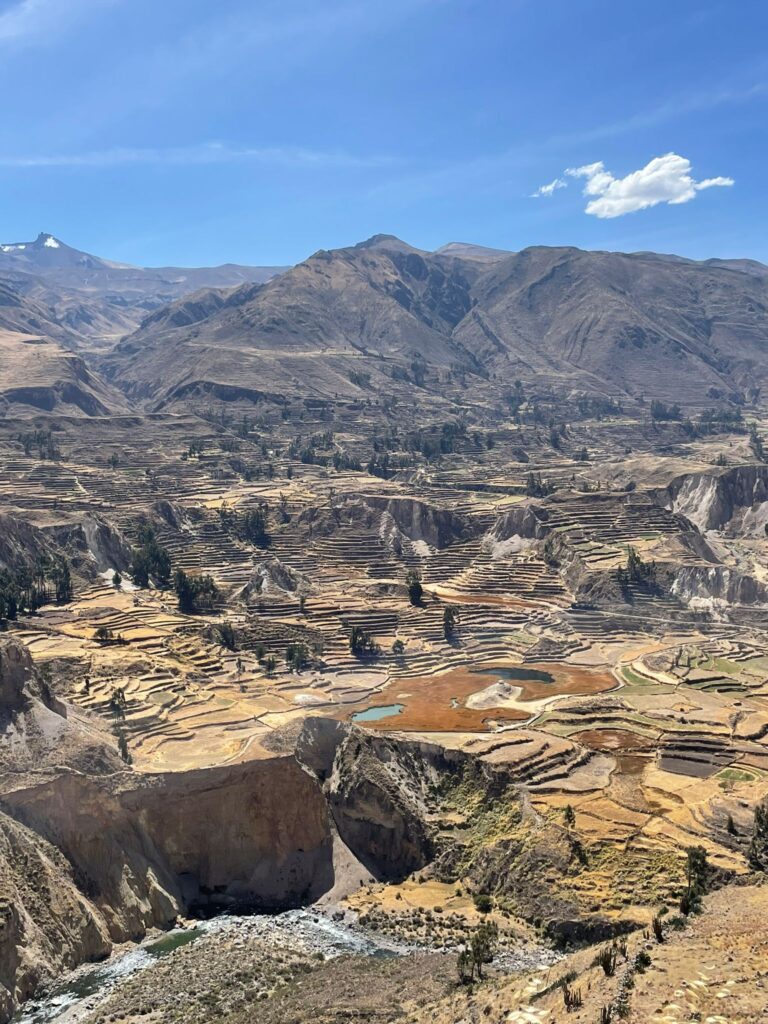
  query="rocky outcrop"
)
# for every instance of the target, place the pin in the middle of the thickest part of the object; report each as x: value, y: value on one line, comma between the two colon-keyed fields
x: 88, y: 542
x: 271, y: 575
x: 125, y: 852
x: 47, y: 924
x: 92, y: 853
x: 419, y: 521
x: 718, y: 589
x: 378, y: 811
x: 734, y: 500
x: 516, y: 530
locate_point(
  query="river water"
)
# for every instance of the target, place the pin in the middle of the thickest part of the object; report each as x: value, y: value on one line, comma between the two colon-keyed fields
x: 80, y: 993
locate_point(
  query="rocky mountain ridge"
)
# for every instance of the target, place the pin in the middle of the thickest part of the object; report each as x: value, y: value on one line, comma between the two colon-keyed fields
x: 631, y: 326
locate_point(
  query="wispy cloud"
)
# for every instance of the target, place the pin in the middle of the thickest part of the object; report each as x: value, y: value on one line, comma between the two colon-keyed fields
x: 522, y: 158
x: 544, y: 191
x: 32, y: 20
x: 201, y: 153
x: 665, y: 179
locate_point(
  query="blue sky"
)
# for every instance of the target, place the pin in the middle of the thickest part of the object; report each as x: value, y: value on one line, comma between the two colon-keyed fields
x: 204, y: 131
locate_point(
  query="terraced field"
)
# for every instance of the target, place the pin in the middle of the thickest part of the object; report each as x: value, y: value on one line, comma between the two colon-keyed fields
x: 549, y: 632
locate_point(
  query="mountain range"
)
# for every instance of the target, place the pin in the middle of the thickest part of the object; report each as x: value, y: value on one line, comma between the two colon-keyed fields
x: 96, y: 301
x: 382, y: 316
x: 346, y: 322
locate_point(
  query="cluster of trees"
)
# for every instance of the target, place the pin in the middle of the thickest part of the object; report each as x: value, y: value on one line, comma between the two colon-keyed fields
x: 758, y: 847
x: 194, y: 592
x: 360, y: 378
x: 26, y: 590
x: 756, y: 444
x: 43, y: 441
x: 592, y: 407
x: 696, y: 880
x: 450, y: 622
x: 118, y: 704
x: 662, y: 412
x: 536, y: 487
x: 514, y: 397
x: 433, y: 443
x: 342, y: 460
x: 149, y: 561
x: 362, y: 644
x: 379, y: 465
x: 227, y: 636
x: 298, y: 656
x: 253, y: 524
x: 557, y: 434
x: 714, y: 421
x: 417, y: 374
x: 419, y: 371
x: 636, y: 571
x: 105, y: 635
x: 415, y: 588
x: 195, y: 449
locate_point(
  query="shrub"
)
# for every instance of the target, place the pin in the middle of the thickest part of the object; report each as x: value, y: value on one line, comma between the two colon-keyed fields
x: 606, y: 959
x: 483, y: 902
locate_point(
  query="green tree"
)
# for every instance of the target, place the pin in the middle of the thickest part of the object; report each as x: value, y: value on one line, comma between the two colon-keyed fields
x: 227, y: 636
x: 184, y: 592
x: 758, y: 847
x: 415, y: 589
x: 483, y: 945
x: 450, y: 621
x: 62, y: 580
x: 696, y: 877
x: 362, y: 644
x: 122, y: 745
x: 194, y: 592
x: 149, y: 560
x: 298, y: 657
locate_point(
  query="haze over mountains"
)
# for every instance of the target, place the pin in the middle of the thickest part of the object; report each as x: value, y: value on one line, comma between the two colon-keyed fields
x: 383, y: 316
x: 97, y: 300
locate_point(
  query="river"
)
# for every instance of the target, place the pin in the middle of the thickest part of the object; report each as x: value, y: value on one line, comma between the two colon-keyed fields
x: 315, y: 933
x: 80, y: 992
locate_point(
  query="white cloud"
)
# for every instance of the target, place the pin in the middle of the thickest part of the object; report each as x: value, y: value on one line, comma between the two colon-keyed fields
x: 200, y: 153
x: 34, y: 19
x: 665, y: 179
x: 547, y: 190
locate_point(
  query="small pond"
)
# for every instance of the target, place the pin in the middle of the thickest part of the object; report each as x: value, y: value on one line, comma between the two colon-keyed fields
x: 515, y: 674
x: 376, y: 713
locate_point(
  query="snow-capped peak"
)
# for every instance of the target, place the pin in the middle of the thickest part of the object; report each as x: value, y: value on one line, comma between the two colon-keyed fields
x: 50, y: 242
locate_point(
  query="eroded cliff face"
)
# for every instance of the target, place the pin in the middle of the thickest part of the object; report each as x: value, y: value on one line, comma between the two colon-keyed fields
x: 734, y: 500
x: 719, y: 590
x: 96, y: 854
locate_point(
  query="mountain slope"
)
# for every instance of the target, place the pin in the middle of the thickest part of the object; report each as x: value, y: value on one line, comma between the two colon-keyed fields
x: 639, y: 325
x: 317, y: 329
x: 27, y: 316
x: 99, y: 300
x: 37, y: 375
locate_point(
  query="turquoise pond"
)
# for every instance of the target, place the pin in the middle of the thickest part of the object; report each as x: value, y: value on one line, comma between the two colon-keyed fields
x: 374, y: 714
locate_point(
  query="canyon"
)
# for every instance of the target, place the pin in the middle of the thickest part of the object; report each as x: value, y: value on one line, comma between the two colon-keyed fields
x: 424, y: 591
